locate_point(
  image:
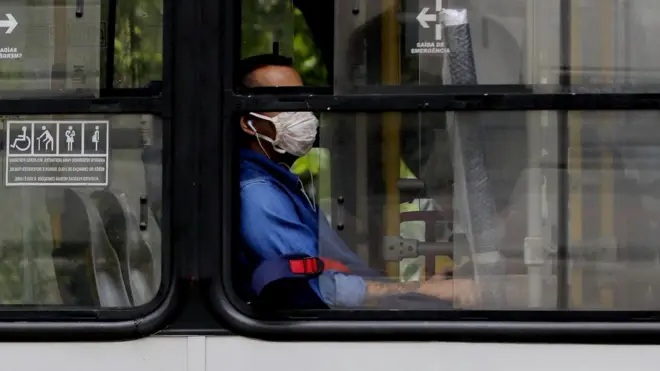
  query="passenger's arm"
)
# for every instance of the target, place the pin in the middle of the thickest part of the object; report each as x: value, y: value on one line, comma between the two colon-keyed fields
x: 376, y: 289
x: 271, y: 228
x: 461, y: 290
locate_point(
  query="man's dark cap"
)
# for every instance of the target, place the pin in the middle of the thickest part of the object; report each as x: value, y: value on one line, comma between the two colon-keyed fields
x: 250, y: 64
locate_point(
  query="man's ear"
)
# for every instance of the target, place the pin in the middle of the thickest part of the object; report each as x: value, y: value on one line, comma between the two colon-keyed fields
x: 245, y: 126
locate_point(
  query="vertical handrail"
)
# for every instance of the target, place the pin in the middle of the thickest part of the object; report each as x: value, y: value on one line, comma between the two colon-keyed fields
x: 573, y: 218
x: 534, y: 254
x: 391, y: 127
x: 607, y: 156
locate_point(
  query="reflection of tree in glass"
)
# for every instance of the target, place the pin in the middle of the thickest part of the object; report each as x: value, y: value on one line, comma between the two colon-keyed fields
x: 258, y: 36
x: 138, y: 43
x: 14, y: 268
x: 139, y: 46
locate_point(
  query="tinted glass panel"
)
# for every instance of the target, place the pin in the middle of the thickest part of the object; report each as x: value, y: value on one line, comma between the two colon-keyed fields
x: 510, y: 42
x: 50, y: 48
x: 281, y: 27
x: 82, y: 195
x: 57, y: 47
x: 138, y: 43
x: 404, y: 198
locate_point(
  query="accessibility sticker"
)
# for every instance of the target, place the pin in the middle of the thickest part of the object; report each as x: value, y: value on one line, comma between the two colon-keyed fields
x: 57, y: 153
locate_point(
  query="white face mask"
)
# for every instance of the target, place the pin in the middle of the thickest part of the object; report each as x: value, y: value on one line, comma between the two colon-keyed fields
x: 295, y: 132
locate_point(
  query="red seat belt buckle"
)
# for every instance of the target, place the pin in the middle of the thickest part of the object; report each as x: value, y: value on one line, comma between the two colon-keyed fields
x: 306, y: 266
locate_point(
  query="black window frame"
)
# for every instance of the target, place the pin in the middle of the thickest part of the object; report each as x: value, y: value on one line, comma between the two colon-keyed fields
x: 546, y: 327
x: 53, y: 323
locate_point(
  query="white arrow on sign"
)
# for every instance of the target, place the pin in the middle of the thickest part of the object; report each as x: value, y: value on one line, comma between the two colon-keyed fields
x: 10, y: 23
x: 423, y: 17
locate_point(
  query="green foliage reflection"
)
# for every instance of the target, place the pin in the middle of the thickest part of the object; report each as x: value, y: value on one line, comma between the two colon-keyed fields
x: 266, y: 22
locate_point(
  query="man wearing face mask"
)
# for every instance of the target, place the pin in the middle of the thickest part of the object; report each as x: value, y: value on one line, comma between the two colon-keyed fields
x: 286, y: 242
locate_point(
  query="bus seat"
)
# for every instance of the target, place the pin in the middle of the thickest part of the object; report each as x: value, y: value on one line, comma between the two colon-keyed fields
x: 84, y: 240
x: 138, y: 251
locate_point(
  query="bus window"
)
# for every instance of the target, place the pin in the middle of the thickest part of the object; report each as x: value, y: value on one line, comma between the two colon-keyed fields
x: 496, y: 209
x: 78, y: 190
x: 138, y: 43
x: 280, y: 27
x: 49, y: 49
x: 84, y: 189
x: 511, y: 42
x: 459, y: 210
x: 57, y: 48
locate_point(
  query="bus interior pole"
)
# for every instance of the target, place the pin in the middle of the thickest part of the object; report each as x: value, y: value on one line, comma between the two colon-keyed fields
x: 391, y: 128
x: 623, y: 78
x: 569, y: 208
x: 478, y: 211
x: 534, y: 247
x: 360, y: 151
x: 609, y: 246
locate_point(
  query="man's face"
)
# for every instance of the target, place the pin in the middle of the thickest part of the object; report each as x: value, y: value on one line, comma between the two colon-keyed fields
x: 270, y: 76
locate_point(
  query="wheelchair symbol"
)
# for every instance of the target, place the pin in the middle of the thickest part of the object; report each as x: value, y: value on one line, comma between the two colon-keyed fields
x: 24, y: 138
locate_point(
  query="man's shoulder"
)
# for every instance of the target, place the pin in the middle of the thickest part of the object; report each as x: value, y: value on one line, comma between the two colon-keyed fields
x: 255, y: 182
x: 250, y: 176
x: 260, y: 188
x: 262, y: 194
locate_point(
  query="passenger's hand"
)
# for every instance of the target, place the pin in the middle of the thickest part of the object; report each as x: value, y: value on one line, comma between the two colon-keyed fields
x: 462, y: 291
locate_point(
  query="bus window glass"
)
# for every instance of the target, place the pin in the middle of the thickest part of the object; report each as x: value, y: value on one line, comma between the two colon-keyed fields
x: 83, y: 194
x: 280, y: 27
x: 47, y: 47
x: 138, y: 43
x: 58, y: 48
x: 405, y: 199
x: 510, y: 42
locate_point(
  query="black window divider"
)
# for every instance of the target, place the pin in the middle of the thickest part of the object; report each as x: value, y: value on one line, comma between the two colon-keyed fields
x: 55, y: 106
x: 450, y: 90
x: 443, y: 102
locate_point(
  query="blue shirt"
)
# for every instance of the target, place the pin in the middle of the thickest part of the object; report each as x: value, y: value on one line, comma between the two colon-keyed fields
x: 277, y: 219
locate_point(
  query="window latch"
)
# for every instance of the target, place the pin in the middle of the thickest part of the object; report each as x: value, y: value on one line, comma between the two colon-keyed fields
x: 80, y: 8
x: 143, y: 213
